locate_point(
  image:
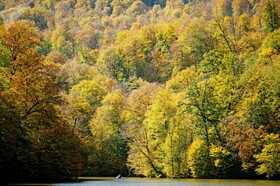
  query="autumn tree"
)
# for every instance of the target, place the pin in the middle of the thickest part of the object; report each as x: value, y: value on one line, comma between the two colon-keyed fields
x: 31, y: 94
x: 161, y: 87
x: 107, y: 141
x: 141, y: 158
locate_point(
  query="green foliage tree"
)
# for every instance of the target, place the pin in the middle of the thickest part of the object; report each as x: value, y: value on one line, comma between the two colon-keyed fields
x: 2, y: 6
x: 195, y: 40
x: 141, y: 158
x: 38, y: 15
x: 199, y: 160
x: 226, y: 166
x: 182, y: 80
x: 272, y: 15
x: 272, y: 40
x: 84, y: 98
x: 107, y: 141
x: 269, y: 157
x: 158, y: 121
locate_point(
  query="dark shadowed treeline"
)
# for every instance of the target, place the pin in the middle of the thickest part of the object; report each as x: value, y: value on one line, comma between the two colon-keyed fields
x: 147, y: 88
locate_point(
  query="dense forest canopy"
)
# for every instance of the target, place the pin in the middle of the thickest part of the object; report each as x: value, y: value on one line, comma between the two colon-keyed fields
x: 156, y: 88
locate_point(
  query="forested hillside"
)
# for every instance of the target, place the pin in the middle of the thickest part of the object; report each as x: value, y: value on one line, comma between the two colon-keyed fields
x: 156, y: 88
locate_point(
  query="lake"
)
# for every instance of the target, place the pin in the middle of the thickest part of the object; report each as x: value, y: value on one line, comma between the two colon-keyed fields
x: 162, y: 182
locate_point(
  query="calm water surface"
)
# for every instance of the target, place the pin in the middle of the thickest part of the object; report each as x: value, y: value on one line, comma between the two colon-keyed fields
x: 163, y: 182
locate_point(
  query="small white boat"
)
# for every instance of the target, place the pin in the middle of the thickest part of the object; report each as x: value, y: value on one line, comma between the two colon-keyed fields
x: 119, y: 176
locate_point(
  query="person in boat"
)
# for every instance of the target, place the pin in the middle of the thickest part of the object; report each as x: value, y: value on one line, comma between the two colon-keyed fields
x: 119, y: 176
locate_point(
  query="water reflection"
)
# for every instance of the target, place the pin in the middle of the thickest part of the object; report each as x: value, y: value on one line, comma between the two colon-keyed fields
x: 162, y: 182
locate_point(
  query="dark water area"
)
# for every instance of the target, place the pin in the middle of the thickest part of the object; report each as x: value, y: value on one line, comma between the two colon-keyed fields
x: 160, y: 182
